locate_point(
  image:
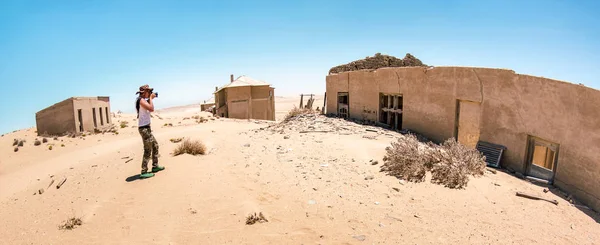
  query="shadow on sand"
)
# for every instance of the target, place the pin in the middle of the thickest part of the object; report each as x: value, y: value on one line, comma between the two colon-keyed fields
x: 133, y: 178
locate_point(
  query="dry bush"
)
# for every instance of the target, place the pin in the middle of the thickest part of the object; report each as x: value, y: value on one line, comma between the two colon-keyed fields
x: 407, y: 159
x: 253, y: 218
x: 124, y: 124
x: 196, y: 117
x: 21, y: 143
x: 188, y: 146
x: 37, y: 142
x: 455, y: 163
x: 44, y: 140
x: 16, y: 149
x: 201, y: 120
x: 49, y: 147
x: 70, y: 224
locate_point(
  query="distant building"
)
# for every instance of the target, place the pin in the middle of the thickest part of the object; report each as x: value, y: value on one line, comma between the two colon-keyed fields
x: 245, y: 98
x: 74, y: 115
x: 207, y: 104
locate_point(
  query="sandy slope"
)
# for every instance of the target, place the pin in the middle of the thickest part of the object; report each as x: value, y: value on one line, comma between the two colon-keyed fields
x: 310, y: 186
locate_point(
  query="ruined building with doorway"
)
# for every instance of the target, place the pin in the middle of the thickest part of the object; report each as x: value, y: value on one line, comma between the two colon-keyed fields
x: 539, y: 127
x: 245, y: 98
x: 74, y: 115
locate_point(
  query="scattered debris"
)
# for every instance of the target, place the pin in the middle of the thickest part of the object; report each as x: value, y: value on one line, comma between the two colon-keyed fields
x: 51, y: 182
x: 312, y: 202
x: 369, y: 177
x: 93, y: 166
x: 62, y: 145
x: 176, y: 140
x: 16, y: 149
x: 545, y: 190
x: 374, y: 162
x: 371, y: 130
x: 61, y: 183
x: 129, y: 160
x: 50, y: 147
x: 41, y: 191
x: 491, y: 170
x: 286, y: 137
x: 125, y: 157
x: 37, y: 142
x: 70, y: 224
x: 521, y: 194
x: 396, y: 189
x: 247, y: 145
x: 192, y: 211
x: 496, y: 184
x: 44, y: 140
x: 360, y: 237
x: 253, y: 218
x: 417, y: 216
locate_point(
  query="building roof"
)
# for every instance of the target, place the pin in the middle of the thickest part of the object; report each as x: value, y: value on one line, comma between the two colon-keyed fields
x: 243, y: 81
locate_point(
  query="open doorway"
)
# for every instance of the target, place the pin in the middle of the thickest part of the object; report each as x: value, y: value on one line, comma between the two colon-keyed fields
x: 390, y: 110
x: 80, y: 117
x: 94, y: 116
x: 343, y: 102
x: 542, y: 158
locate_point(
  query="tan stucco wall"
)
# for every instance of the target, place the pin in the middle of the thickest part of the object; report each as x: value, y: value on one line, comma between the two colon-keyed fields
x: 86, y: 104
x: 56, y: 119
x: 248, y: 102
x: 512, y: 107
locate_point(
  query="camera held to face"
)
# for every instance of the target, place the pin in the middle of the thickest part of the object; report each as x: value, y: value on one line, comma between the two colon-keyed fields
x: 155, y: 94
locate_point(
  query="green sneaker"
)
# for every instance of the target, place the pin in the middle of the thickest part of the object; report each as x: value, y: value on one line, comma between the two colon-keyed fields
x: 146, y: 175
x: 157, y: 168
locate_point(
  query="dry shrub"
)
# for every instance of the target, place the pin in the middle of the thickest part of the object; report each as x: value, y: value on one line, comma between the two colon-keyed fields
x: 201, y: 120
x: 21, y: 143
x: 124, y: 124
x: 450, y: 165
x: 70, y: 224
x: 455, y: 164
x: 16, y: 149
x: 253, y: 218
x: 49, y: 147
x: 37, y: 142
x: 196, y: 117
x: 15, y: 142
x: 407, y: 159
x: 188, y: 146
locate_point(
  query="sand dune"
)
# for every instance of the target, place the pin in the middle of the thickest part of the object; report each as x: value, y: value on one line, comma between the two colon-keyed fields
x: 311, y: 187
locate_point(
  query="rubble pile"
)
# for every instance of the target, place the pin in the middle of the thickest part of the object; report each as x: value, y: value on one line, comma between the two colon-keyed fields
x: 378, y: 61
x: 314, y: 122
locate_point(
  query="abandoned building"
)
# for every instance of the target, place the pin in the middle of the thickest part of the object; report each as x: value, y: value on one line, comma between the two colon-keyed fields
x: 539, y: 127
x: 245, y: 98
x: 74, y: 115
x: 207, y: 104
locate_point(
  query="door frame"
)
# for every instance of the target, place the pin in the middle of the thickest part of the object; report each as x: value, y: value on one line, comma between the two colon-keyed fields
x: 532, y: 141
x: 338, y: 103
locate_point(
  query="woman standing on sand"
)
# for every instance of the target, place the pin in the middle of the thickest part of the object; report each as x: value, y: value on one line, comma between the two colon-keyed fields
x: 144, y: 107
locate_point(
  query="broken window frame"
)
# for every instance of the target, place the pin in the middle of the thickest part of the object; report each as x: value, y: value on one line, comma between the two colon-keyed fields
x: 390, y: 110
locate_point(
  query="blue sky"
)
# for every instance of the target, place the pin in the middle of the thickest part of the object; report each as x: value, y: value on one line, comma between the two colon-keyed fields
x: 52, y: 50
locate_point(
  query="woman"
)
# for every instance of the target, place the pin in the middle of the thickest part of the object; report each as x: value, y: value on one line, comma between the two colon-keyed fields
x: 144, y: 107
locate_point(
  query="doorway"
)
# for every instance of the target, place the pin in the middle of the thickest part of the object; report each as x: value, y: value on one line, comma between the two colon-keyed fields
x: 343, y: 104
x: 468, y: 117
x: 80, y: 117
x: 94, y: 116
x: 542, y: 158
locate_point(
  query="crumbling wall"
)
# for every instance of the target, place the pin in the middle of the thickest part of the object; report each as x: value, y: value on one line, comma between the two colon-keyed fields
x: 56, y: 119
x: 512, y: 106
x: 376, y: 62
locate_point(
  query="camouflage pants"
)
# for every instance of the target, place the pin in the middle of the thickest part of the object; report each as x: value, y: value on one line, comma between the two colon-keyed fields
x: 150, y: 148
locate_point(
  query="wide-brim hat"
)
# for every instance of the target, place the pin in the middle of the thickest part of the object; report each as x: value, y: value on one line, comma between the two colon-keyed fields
x: 144, y: 88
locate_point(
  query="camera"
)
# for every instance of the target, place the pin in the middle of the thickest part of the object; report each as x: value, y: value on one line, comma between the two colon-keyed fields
x: 155, y: 94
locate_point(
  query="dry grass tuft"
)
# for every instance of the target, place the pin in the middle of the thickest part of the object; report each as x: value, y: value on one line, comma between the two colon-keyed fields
x: 451, y: 164
x: 188, y: 146
x: 70, y: 224
x: 455, y: 164
x: 124, y: 124
x: 253, y: 218
x: 50, y: 147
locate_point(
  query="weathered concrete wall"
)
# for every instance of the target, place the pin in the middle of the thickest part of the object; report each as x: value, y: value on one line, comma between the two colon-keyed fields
x: 249, y: 102
x: 56, y: 119
x: 512, y: 106
x: 203, y: 107
x: 85, y: 104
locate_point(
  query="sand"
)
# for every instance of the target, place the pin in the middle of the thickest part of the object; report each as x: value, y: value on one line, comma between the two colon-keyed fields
x: 313, y: 188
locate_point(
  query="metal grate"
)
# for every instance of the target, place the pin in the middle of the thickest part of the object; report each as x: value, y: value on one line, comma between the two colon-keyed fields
x: 492, y: 153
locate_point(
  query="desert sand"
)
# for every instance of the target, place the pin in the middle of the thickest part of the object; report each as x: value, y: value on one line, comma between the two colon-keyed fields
x: 313, y: 188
